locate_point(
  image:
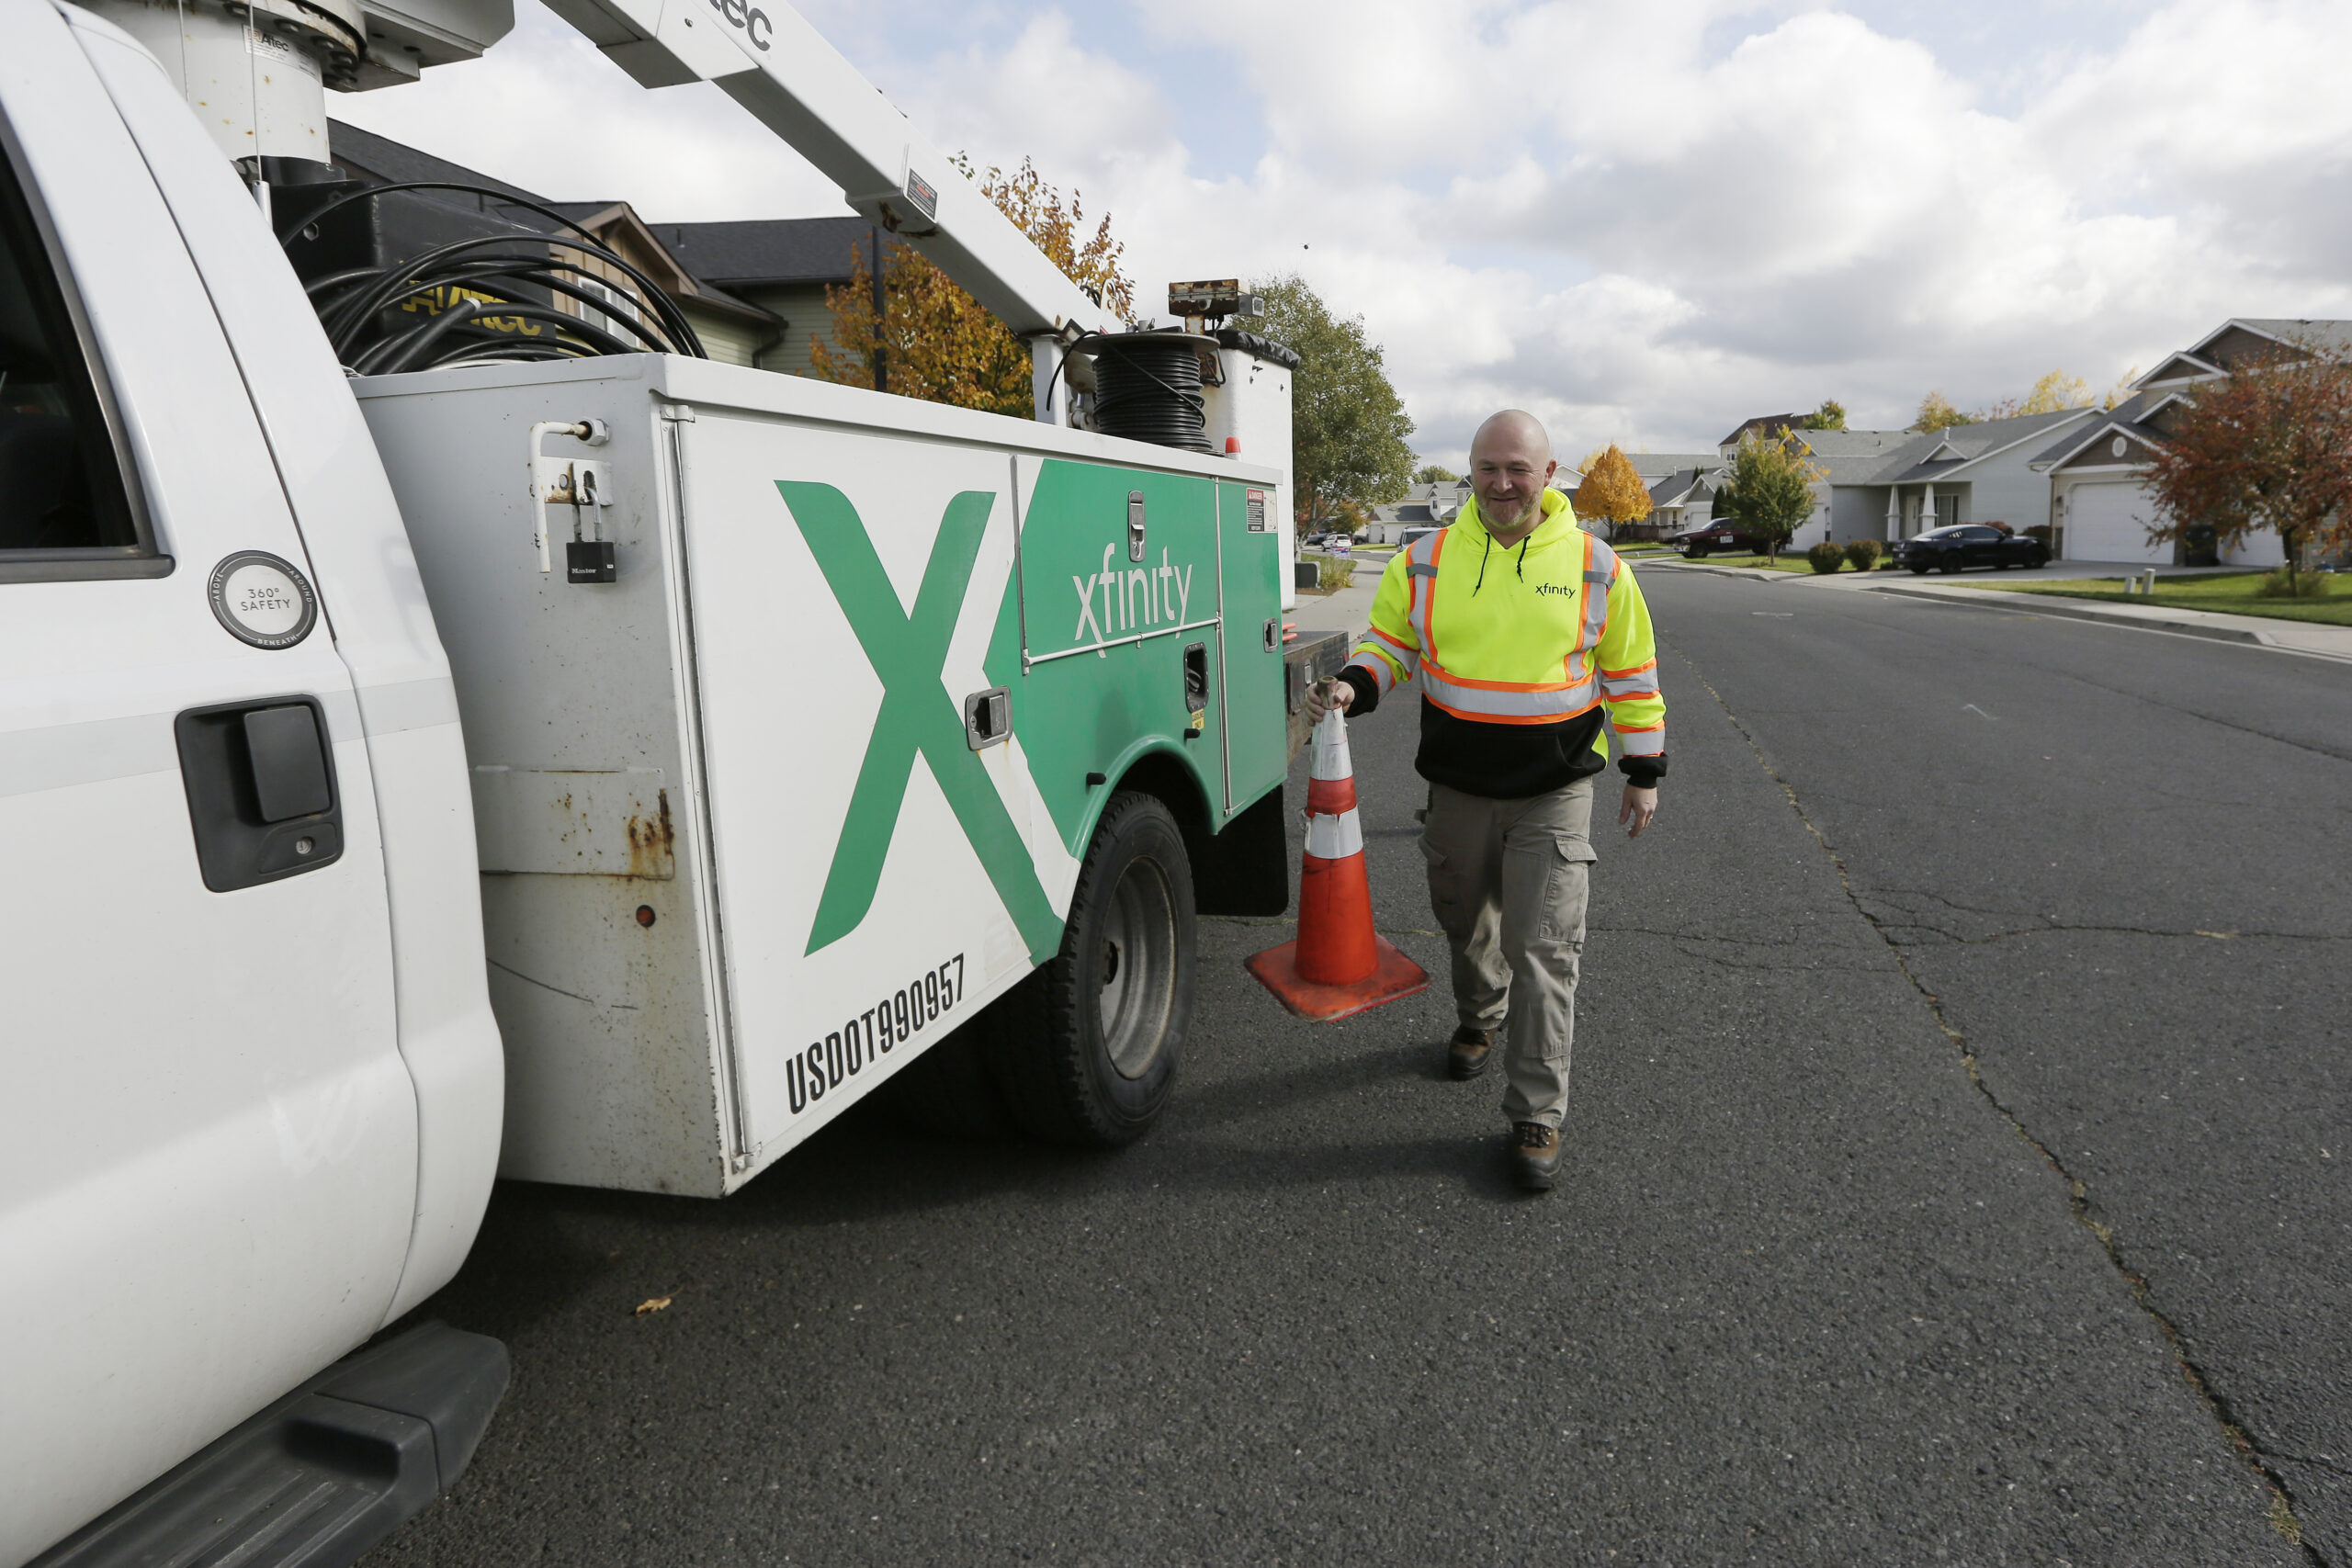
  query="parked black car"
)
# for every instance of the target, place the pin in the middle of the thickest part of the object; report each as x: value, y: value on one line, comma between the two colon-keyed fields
x: 1698, y: 542
x: 1963, y: 545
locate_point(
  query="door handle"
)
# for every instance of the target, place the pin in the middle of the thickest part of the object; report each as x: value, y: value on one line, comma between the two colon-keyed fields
x: 261, y: 790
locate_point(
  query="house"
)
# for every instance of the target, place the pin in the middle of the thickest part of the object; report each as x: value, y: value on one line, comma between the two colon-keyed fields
x: 784, y: 266
x: 1965, y: 473
x: 2099, y: 503
x: 1423, y: 505
x: 732, y: 329
x: 1847, y: 458
x: 1683, y: 491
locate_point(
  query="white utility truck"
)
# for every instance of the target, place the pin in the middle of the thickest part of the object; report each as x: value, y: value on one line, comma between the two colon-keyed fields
x: 449, y: 727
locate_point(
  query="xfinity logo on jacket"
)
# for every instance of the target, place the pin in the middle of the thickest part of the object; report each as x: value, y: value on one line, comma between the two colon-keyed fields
x: 1555, y: 588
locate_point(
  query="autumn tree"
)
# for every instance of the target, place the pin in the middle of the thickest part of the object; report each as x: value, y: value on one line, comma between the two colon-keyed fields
x: 932, y: 340
x: 1613, y: 491
x: 1936, y: 412
x: 2268, y: 448
x: 1432, y: 474
x: 1830, y: 415
x: 1348, y: 425
x: 1769, y: 493
x: 2055, y: 392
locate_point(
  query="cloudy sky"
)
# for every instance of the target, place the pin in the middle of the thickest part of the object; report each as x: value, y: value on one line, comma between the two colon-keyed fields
x: 1644, y: 221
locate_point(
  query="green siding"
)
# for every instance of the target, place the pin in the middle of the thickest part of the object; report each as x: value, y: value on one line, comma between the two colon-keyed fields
x: 802, y: 307
x: 726, y: 339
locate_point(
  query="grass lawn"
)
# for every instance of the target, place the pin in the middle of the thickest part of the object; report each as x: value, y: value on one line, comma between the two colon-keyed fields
x: 2234, y: 593
x: 1787, y: 562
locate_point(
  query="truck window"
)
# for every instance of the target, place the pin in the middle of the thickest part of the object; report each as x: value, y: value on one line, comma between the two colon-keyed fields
x: 64, y: 510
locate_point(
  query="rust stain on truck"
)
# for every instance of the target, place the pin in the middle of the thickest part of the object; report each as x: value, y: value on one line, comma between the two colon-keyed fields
x: 653, y: 843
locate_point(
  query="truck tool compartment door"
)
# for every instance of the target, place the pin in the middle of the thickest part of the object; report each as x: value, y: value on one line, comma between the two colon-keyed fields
x: 208, y: 1142
x: 884, y: 869
x: 1250, y: 564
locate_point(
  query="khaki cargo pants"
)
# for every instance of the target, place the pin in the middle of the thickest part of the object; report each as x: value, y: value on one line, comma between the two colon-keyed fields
x: 1508, y: 879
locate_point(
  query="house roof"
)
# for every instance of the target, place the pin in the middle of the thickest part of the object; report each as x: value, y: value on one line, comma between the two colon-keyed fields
x: 1942, y: 453
x: 1847, y: 455
x: 2130, y: 416
x: 1682, y: 486
x: 769, y: 250
x: 2180, y: 367
x: 1767, y: 423
x: 2319, y: 333
x: 369, y: 156
x: 1654, y: 466
x: 2111, y: 424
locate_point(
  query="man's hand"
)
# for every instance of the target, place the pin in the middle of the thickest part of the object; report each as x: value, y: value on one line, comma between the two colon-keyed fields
x: 1639, y: 806
x: 1325, y: 696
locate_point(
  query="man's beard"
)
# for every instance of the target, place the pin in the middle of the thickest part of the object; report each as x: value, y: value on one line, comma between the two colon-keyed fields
x: 1520, y: 518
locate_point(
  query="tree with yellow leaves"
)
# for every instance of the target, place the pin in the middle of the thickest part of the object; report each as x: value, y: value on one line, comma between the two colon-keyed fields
x: 1613, y: 491
x: 934, y: 341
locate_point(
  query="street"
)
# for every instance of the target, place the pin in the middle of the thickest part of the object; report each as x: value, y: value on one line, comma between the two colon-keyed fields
x: 1955, y: 1173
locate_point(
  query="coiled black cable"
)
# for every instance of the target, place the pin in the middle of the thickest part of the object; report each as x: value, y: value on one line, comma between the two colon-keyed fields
x: 1148, y: 389
x: 492, y: 279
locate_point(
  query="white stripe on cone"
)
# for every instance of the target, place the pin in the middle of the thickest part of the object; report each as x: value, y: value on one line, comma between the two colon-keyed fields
x: 1334, y: 837
x: 1331, y: 760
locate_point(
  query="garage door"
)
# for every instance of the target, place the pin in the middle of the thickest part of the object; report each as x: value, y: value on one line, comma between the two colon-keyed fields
x: 2110, y: 523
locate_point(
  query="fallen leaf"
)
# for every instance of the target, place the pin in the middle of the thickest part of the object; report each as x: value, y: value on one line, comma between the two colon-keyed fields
x: 656, y: 1305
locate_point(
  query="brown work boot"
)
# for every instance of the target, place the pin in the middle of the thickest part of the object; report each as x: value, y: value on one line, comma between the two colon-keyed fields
x: 1466, y: 1052
x: 1534, y: 1155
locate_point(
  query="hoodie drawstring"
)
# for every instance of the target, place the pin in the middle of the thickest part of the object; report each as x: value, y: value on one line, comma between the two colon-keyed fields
x: 1522, y: 557
x: 1482, y: 565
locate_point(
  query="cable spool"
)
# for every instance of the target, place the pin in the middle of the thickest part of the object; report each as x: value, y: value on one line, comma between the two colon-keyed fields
x: 1147, y: 388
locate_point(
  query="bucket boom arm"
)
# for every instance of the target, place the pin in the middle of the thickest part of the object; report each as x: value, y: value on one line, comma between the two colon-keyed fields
x: 767, y: 58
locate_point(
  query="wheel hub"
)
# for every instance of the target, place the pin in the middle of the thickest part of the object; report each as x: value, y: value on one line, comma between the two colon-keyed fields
x: 1137, y: 976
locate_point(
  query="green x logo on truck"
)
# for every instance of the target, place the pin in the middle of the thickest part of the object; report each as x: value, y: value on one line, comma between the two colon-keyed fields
x: 910, y: 654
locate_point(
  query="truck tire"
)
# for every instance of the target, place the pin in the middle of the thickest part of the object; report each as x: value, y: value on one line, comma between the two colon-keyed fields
x: 1084, y: 1051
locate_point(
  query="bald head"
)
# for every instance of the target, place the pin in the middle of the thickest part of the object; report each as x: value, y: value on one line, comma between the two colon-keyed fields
x: 1515, y: 428
x: 1510, y: 462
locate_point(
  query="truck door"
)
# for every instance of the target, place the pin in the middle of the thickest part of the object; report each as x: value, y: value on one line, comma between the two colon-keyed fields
x: 208, y: 1141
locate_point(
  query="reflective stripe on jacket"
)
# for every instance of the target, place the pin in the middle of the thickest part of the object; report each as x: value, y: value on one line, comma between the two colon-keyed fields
x: 1545, y: 637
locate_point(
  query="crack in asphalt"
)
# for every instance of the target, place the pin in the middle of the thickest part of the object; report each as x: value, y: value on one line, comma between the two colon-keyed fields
x: 2283, y: 1517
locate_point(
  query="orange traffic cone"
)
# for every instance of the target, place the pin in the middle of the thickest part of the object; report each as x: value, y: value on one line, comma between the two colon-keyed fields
x: 1339, y: 965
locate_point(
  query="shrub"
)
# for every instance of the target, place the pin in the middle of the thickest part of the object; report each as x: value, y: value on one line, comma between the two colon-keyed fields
x: 2302, y: 585
x: 1334, y: 573
x: 1864, y: 553
x: 1826, y: 557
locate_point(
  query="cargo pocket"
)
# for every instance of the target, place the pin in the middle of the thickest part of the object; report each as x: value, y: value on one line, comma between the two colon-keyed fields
x: 1445, y: 896
x: 1566, y: 886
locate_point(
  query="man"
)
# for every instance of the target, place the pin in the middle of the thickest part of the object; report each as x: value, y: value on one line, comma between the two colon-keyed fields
x: 1525, y: 631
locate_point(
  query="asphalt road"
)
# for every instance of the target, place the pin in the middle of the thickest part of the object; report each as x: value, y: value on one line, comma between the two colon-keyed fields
x: 1944, y: 900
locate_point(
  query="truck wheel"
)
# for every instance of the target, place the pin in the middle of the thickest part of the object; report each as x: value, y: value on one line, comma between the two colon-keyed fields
x: 1084, y: 1050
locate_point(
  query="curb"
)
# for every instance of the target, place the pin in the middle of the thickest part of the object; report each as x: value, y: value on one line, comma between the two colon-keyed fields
x: 2052, y: 604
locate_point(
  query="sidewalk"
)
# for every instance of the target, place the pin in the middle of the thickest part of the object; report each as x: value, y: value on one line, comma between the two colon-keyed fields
x: 1349, y: 610
x: 2311, y: 638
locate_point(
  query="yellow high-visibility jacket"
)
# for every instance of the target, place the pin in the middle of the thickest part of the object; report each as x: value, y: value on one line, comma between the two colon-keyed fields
x: 1521, y: 652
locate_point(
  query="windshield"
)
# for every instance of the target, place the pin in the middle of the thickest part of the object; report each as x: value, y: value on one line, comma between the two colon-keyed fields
x: 1951, y: 533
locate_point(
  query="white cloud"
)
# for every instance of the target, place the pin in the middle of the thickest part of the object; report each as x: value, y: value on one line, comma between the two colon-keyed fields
x: 1646, y: 222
